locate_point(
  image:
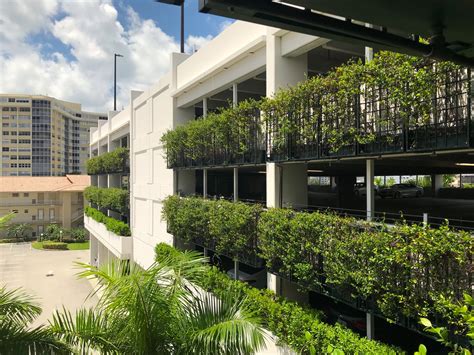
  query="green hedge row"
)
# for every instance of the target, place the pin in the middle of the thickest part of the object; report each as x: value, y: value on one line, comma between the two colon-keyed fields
x: 286, y: 319
x: 118, y: 227
x: 408, y: 85
x: 409, y: 270
x: 108, y: 163
x: 54, y: 245
x: 229, y: 228
x: 110, y: 198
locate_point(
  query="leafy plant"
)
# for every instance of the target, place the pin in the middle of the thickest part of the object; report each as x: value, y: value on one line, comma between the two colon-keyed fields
x: 112, y: 198
x: 298, y: 326
x: 108, y: 163
x: 54, y: 245
x: 17, y: 311
x: 19, y: 231
x: 154, y: 311
x: 118, y: 227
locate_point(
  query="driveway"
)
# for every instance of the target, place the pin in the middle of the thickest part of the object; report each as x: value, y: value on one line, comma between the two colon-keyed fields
x: 23, y: 266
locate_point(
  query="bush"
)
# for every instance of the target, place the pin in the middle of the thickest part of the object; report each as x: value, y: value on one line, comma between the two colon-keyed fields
x: 52, y: 232
x: 78, y: 235
x: 114, y: 199
x: 229, y: 228
x: 286, y: 319
x: 54, y: 245
x: 118, y: 227
x: 402, y: 270
x: 108, y: 163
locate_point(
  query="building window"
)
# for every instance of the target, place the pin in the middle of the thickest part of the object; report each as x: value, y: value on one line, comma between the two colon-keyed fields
x: 40, y: 229
x: 26, y: 194
x: 15, y: 211
x: 15, y: 194
x: 25, y: 211
x: 51, y: 214
x: 33, y: 218
x: 40, y: 214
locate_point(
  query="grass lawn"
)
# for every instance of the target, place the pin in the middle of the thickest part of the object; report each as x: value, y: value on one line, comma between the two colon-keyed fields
x: 70, y: 246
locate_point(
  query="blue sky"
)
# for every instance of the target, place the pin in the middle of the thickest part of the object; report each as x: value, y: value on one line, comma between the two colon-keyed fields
x: 64, y: 48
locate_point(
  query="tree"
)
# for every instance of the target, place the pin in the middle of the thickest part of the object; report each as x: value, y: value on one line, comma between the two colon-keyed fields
x: 5, y: 219
x: 159, y: 311
x: 17, y: 310
x: 53, y: 232
x: 18, y: 231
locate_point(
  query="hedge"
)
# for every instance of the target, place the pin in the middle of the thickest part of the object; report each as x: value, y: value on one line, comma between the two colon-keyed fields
x: 112, y: 198
x: 115, y: 226
x: 108, y: 163
x: 54, y: 245
x: 322, y: 111
x: 288, y: 320
x: 404, y: 271
x: 229, y: 228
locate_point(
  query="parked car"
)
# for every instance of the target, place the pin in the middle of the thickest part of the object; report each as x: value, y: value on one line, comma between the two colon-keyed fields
x: 401, y: 190
x: 361, y: 190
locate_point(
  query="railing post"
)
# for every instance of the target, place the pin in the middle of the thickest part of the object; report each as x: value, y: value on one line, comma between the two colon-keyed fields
x: 236, y: 269
x: 236, y: 184
x: 204, y: 183
x: 425, y: 219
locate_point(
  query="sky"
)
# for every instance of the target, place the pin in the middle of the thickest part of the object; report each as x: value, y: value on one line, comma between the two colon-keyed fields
x: 65, y: 48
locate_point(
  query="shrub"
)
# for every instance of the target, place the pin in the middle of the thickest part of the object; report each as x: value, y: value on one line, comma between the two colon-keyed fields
x: 402, y: 270
x: 52, y: 232
x: 114, y: 199
x: 115, y: 226
x: 54, y: 245
x: 229, y: 228
x: 77, y: 235
x: 286, y: 319
x: 108, y: 163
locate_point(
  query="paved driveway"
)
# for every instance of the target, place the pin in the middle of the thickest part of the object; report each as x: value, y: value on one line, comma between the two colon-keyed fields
x: 23, y: 266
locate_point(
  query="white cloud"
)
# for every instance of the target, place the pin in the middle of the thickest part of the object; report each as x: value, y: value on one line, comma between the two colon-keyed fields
x: 92, y: 33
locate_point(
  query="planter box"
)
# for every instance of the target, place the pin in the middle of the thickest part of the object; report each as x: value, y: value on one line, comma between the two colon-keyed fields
x: 120, y: 246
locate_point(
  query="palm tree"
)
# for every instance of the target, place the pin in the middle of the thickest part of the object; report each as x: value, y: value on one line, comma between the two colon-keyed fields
x: 5, y: 219
x: 17, y: 310
x: 18, y: 231
x: 159, y: 311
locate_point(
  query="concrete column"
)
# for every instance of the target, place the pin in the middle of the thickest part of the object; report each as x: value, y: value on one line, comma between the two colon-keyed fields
x: 235, y: 95
x: 273, y: 185
x: 282, y: 71
x: 204, y: 107
x: 236, y: 184
x: 236, y: 269
x: 436, y: 183
x: 204, y: 183
x: 184, y: 182
x: 274, y: 283
x: 66, y: 209
x: 370, y: 195
x: 294, y: 185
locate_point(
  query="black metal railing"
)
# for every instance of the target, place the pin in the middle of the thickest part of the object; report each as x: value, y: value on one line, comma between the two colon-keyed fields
x: 373, y: 122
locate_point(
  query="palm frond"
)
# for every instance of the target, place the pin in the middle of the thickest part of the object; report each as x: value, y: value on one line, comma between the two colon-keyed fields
x: 88, y: 329
x: 17, y: 339
x: 221, y: 326
x: 17, y: 306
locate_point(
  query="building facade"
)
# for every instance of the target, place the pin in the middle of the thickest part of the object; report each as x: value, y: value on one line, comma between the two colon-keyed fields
x: 43, y: 200
x: 44, y: 136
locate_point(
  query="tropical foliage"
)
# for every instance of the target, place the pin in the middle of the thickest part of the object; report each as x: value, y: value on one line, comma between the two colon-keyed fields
x: 158, y: 311
x: 402, y: 270
x: 19, y: 231
x: 230, y: 136
x: 118, y: 227
x: 109, y: 163
x: 286, y: 319
x: 111, y: 198
x: 17, y: 311
x: 228, y: 228
x: 385, y: 105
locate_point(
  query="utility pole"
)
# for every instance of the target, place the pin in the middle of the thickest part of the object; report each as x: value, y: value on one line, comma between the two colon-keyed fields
x: 115, y: 79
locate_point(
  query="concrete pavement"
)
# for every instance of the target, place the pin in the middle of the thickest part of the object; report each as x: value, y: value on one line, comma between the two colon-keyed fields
x: 23, y: 266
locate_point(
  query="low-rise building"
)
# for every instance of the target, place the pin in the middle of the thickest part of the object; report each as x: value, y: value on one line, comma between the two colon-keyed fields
x: 43, y: 200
